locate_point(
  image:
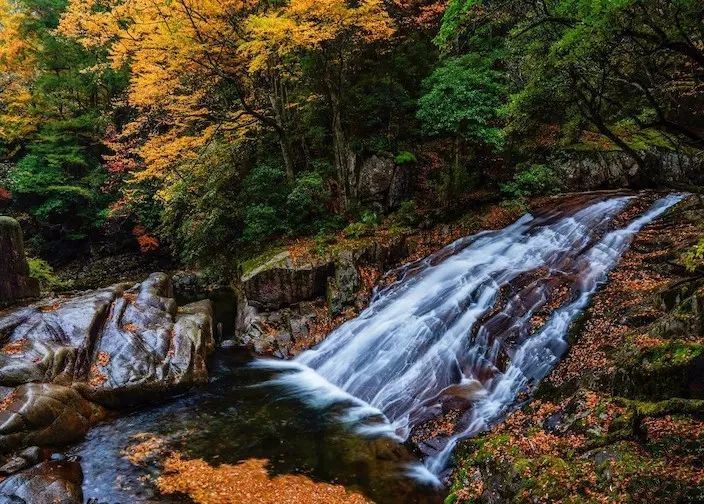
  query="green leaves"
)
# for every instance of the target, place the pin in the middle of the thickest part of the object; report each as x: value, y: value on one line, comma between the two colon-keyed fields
x: 463, y: 98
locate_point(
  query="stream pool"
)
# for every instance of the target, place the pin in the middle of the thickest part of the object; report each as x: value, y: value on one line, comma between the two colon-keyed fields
x: 239, y: 417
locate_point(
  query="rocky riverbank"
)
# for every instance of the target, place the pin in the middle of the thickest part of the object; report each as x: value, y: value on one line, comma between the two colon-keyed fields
x: 67, y: 363
x: 621, y: 419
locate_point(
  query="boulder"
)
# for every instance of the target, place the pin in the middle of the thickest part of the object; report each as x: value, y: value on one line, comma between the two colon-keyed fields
x: 382, y: 182
x: 148, y: 346
x: 15, y: 283
x: 282, y: 298
x: 281, y: 333
x: 64, y: 359
x: 45, y: 414
x: 280, y: 282
x: 56, y: 482
x: 344, y: 285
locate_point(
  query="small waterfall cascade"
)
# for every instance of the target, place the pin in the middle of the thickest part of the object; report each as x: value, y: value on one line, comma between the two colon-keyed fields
x: 480, y: 322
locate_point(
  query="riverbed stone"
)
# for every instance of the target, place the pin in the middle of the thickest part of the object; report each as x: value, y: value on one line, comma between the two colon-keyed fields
x: 45, y: 414
x: 55, y: 482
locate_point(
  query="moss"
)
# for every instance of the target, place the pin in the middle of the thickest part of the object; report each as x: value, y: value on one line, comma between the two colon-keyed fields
x: 668, y: 407
x: 40, y: 270
x: 671, y: 354
x: 260, y: 260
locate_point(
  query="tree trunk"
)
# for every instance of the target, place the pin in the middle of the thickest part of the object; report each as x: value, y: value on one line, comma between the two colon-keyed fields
x: 345, y: 158
x: 278, y: 105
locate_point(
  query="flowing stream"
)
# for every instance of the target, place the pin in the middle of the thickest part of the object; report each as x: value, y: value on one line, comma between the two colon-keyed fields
x: 465, y: 332
x: 442, y: 328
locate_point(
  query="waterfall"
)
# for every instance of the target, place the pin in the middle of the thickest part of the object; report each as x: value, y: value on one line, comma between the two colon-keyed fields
x: 473, y: 322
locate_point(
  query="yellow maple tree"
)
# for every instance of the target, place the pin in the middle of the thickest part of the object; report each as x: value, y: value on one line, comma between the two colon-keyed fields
x: 17, y: 68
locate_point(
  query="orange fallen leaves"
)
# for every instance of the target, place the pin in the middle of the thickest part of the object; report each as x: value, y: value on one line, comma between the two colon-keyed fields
x: 246, y: 482
x: 148, y: 446
x: 9, y: 399
x: 50, y: 308
x: 15, y: 347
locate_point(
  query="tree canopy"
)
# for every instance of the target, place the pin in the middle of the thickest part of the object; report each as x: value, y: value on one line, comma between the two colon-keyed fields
x: 166, y: 114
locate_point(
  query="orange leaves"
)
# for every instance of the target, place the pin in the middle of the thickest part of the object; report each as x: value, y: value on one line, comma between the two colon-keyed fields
x: 147, y: 242
x: 96, y: 377
x: 177, y: 52
x: 15, y: 347
x: 668, y: 426
x: 18, y: 48
x: 305, y: 25
x: 147, y: 446
x: 247, y: 481
x: 5, y: 195
x: 7, y: 400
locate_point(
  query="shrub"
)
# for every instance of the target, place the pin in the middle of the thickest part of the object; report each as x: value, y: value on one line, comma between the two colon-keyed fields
x: 306, y: 203
x: 368, y: 221
x: 405, y: 157
x: 407, y: 214
x: 693, y: 258
x: 40, y: 270
x: 261, y: 222
x: 266, y: 185
x: 534, y: 180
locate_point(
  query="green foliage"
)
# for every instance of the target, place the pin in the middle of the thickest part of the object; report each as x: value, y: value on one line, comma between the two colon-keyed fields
x: 463, y: 97
x: 57, y: 176
x: 364, y: 227
x: 203, y: 221
x: 261, y: 223
x: 453, y: 22
x: 40, y: 270
x: 407, y: 214
x: 405, y: 158
x: 693, y: 259
x: 306, y: 203
x: 531, y: 181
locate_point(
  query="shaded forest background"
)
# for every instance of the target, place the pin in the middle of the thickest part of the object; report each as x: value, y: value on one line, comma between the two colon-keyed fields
x: 209, y: 130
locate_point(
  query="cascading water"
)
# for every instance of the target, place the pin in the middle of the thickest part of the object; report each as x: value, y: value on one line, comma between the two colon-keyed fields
x: 473, y: 323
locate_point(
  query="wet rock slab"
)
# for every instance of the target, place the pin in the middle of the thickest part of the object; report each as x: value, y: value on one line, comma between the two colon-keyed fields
x: 65, y: 360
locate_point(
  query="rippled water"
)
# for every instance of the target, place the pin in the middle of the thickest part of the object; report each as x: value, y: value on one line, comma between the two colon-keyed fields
x: 469, y: 328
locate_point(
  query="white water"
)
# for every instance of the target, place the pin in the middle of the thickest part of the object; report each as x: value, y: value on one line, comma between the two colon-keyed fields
x: 429, y: 331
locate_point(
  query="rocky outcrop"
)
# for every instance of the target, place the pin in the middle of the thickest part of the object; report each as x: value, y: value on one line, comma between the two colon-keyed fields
x: 382, y: 182
x: 15, y: 283
x: 582, y: 171
x: 64, y: 360
x: 286, y: 303
x: 281, y: 282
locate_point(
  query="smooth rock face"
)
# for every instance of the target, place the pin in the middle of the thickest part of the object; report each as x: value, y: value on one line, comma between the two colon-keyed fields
x: 63, y: 360
x: 49, y: 482
x: 46, y: 414
x: 15, y: 283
